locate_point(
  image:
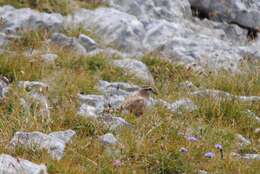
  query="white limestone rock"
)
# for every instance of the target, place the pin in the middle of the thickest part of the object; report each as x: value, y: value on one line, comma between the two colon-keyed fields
x: 54, y: 142
x: 11, y: 165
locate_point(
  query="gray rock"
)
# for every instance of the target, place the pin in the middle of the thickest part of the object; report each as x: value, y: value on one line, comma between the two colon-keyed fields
x: 68, y: 42
x: 188, y: 86
x: 97, y: 101
x: 242, y: 141
x: 54, y: 143
x: 179, y: 105
x: 116, y: 88
x: 251, y: 157
x: 137, y: 27
x: 252, y: 115
x: 202, y: 172
x: 11, y: 165
x: 49, y: 57
x: 88, y: 111
x: 217, y: 94
x: 166, y: 9
x: 115, y: 122
x: 88, y: 43
x: 108, y: 139
x: 4, y: 83
x: 257, y: 131
x: 116, y: 28
x: 136, y: 68
x: 27, y: 19
x: 33, y: 85
x: 242, y: 12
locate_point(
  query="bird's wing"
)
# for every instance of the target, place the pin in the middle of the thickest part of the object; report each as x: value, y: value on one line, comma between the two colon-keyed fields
x: 135, y: 101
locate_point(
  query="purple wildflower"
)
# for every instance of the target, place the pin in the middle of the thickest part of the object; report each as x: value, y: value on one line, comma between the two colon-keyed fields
x: 218, y: 146
x: 117, y: 163
x: 192, y: 138
x: 209, y: 155
x: 183, y: 150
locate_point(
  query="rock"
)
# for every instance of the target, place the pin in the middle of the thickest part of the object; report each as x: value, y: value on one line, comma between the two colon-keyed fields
x: 242, y: 12
x: 251, y: 157
x: 108, y: 139
x: 242, y: 141
x: 252, y: 115
x: 202, y: 172
x: 116, y: 88
x: 257, y: 131
x: 27, y: 19
x: 166, y: 10
x: 49, y: 57
x: 188, y: 86
x: 11, y: 165
x: 217, y: 94
x: 68, y: 42
x: 33, y: 85
x: 119, y: 29
x: 88, y: 43
x: 88, y: 111
x: 97, y: 101
x: 4, y: 82
x: 40, y: 102
x: 151, y: 27
x: 179, y: 106
x: 54, y: 143
x: 115, y: 122
x: 136, y: 68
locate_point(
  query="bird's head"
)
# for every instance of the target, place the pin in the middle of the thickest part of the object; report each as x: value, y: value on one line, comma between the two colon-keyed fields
x: 146, y: 91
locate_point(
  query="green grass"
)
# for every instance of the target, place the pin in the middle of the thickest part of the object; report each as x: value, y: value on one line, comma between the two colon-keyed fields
x: 59, y: 6
x: 152, y: 146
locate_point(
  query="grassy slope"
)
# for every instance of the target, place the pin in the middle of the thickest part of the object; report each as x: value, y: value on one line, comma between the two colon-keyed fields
x: 59, y: 6
x: 152, y: 146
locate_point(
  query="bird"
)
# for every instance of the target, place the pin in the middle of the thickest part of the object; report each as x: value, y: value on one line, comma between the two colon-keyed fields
x: 136, y: 103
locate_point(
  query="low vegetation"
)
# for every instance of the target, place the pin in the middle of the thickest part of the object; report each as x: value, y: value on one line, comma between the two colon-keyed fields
x: 154, y: 143
x: 51, y: 6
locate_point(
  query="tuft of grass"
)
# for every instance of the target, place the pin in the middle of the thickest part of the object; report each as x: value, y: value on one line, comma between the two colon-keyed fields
x: 53, y: 6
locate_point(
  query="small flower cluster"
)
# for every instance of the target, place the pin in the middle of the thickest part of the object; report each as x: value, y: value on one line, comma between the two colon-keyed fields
x: 208, y: 154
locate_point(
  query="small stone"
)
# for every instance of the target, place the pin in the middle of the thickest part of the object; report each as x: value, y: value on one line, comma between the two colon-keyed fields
x: 251, y: 157
x: 108, y: 139
x: 88, y: 43
x: 49, y: 57
x: 242, y: 141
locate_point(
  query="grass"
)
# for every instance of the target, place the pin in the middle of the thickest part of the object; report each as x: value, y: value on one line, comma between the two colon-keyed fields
x: 59, y: 6
x: 152, y: 146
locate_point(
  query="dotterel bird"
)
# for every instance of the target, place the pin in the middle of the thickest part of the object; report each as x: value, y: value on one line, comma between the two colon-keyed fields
x: 135, y: 103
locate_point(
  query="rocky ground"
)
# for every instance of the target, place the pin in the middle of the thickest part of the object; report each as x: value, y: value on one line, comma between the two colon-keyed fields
x: 62, y: 63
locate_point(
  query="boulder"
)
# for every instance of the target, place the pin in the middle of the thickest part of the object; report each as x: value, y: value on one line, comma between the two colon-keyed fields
x: 68, y: 42
x: 116, y: 28
x: 27, y: 19
x: 145, y: 10
x: 11, y: 165
x: 135, y: 68
x: 54, y: 142
x: 242, y: 12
